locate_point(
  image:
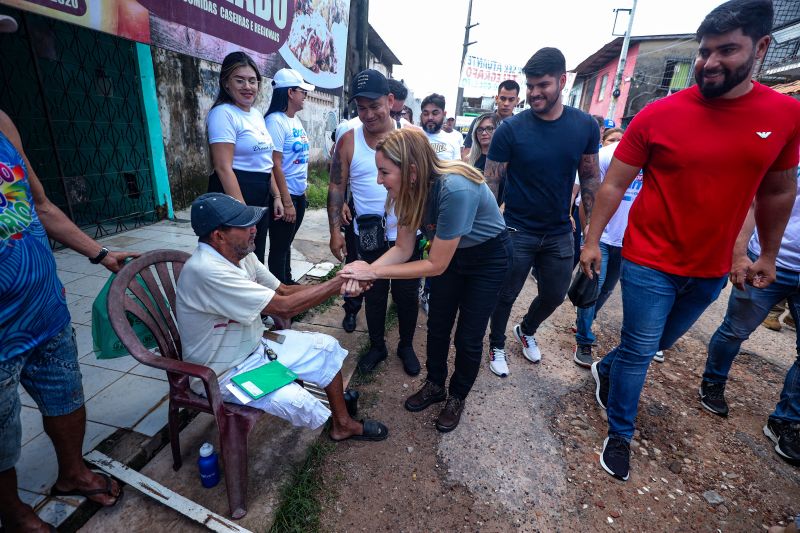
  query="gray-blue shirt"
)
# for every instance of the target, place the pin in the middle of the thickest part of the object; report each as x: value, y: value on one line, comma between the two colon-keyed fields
x: 464, y: 209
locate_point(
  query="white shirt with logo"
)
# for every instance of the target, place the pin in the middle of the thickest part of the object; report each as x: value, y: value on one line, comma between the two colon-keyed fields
x: 789, y: 253
x: 615, y: 229
x: 252, y: 144
x: 291, y: 140
x: 445, y: 145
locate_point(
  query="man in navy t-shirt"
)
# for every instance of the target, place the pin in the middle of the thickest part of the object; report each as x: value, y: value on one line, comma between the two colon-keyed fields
x: 535, y: 155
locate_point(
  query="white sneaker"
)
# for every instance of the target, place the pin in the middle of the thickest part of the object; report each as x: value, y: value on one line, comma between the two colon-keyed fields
x: 529, y: 348
x: 659, y: 356
x: 497, y: 362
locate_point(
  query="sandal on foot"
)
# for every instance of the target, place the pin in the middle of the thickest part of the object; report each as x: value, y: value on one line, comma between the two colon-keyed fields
x: 373, y: 431
x: 108, y: 489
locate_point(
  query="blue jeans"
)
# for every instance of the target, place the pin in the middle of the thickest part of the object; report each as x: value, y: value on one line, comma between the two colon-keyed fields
x: 608, y: 278
x: 468, y: 288
x: 657, y: 308
x: 746, y: 310
x: 551, y: 257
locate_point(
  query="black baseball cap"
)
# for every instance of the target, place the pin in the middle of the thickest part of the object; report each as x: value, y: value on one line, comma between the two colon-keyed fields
x: 215, y: 209
x: 369, y: 84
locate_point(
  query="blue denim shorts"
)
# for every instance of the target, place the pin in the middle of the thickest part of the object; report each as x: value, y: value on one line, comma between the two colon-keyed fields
x: 50, y: 373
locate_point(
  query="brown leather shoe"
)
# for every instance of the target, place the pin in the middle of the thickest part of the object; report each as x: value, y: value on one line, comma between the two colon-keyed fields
x: 429, y: 394
x: 451, y: 414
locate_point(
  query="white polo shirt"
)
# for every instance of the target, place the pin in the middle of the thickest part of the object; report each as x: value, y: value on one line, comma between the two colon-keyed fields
x: 218, y: 307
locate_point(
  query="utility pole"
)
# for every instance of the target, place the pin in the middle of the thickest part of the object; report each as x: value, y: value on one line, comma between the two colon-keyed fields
x: 467, y: 43
x: 623, y: 55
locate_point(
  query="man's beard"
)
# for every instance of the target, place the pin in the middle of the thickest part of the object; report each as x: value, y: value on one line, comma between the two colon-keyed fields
x: 243, y: 251
x: 549, y: 104
x: 731, y: 79
x: 432, y: 126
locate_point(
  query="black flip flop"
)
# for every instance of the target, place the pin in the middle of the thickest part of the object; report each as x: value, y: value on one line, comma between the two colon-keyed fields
x: 373, y: 431
x: 54, y: 491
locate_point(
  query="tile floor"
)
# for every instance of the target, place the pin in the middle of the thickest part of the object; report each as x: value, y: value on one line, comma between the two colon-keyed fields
x: 119, y: 393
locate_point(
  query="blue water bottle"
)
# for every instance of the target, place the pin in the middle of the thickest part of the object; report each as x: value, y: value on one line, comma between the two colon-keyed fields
x: 208, y: 464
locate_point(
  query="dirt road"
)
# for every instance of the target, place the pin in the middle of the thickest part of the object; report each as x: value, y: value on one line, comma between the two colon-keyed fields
x: 525, y: 455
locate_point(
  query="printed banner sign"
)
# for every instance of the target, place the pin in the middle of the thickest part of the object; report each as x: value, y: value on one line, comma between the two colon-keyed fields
x: 481, y: 76
x: 309, y: 36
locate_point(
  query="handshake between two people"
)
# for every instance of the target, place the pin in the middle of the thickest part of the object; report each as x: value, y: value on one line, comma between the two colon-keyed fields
x: 358, y: 278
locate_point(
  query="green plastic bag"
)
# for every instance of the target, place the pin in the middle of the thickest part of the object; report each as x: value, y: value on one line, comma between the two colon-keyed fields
x: 105, y: 342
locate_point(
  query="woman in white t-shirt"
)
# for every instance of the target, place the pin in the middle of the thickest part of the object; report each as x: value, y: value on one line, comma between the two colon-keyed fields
x: 290, y: 157
x: 241, y: 148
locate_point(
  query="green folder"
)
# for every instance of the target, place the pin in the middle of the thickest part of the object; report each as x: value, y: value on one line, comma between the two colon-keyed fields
x: 264, y: 379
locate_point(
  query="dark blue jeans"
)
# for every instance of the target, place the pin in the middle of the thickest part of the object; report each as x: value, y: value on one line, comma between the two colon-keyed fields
x: 551, y: 257
x: 657, y: 309
x: 608, y: 278
x: 281, y: 236
x: 469, y: 287
x: 746, y: 310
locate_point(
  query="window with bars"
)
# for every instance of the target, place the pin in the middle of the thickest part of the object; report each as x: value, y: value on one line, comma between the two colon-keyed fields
x: 677, y: 74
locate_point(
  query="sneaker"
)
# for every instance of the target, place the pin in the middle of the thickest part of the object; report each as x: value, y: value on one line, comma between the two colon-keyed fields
x: 451, y: 414
x: 616, y: 457
x: 497, y: 362
x: 659, y: 356
x: 712, y: 397
x: 786, y: 436
x: 409, y: 358
x: 529, y: 348
x: 429, y: 394
x: 370, y: 360
x: 601, y: 386
x: 349, y: 322
x: 582, y: 355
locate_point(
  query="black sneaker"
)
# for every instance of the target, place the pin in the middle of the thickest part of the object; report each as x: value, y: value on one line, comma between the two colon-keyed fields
x: 616, y: 457
x: 712, y: 397
x: 786, y: 436
x: 582, y: 355
x: 409, y: 359
x: 375, y: 355
x: 601, y: 386
x: 429, y: 394
x: 349, y: 322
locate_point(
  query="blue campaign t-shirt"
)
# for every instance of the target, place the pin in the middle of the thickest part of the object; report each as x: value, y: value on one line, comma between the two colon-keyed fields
x: 542, y: 157
x: 33, y: 308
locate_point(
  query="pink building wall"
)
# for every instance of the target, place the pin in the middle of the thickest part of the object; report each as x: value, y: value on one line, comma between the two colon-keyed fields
x: 601, y: 107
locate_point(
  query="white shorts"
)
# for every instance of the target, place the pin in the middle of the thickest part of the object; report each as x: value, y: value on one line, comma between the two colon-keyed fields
x: 314, y: 357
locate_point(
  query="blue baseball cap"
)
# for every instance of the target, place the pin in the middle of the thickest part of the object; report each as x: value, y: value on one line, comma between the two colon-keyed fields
x: 609, y: 123
x: 215, y: 209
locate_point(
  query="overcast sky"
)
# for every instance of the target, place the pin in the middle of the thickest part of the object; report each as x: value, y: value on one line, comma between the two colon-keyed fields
x: 427, y: 35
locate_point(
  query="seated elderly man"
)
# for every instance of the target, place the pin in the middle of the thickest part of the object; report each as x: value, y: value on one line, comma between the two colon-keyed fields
x: 222, y: 293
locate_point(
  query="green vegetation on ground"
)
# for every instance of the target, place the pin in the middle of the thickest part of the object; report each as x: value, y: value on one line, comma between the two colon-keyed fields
x: 317, y: 192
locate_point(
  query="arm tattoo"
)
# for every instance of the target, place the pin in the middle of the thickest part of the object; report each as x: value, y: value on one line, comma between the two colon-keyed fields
x: 589, y: 176
x: 495, y: 174
x: 337, y: 187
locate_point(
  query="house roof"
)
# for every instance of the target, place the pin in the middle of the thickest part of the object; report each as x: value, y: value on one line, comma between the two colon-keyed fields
x: 611, y: 51
x: 380, y: 50
x: 792, y: 87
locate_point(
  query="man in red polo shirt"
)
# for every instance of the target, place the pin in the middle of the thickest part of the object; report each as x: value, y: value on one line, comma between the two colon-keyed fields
x: 707, y: 152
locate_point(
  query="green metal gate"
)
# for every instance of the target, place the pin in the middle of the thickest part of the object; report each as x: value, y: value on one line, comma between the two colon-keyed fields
x: 76, y: 98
